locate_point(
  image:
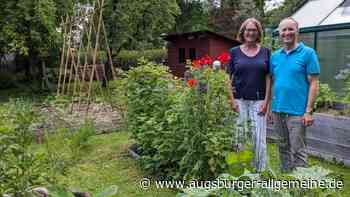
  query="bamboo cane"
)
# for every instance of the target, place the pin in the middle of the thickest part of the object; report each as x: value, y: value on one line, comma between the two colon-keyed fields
x: 76, y: 66
x: 86, y: 56
x: 95, y: 54
x: 111, y: 65
x: 73, y: 52
x: 62, y: 56
x: 108, y: 51
x: 67, y: 56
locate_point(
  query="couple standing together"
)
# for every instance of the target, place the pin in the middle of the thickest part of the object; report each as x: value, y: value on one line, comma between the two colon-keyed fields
x: 281, y: 87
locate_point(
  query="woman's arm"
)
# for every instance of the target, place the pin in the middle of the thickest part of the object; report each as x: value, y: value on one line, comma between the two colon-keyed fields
x: 268, y: 90
x: 231, y: 96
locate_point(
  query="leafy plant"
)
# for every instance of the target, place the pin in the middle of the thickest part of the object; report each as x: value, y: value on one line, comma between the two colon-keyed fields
x: 20, y: 170
x: 78, y: 139
x: 302, y: 174
x: 183, y: 127
x: 346, y: 98
x: 326, y: 97
x: 238, y: 161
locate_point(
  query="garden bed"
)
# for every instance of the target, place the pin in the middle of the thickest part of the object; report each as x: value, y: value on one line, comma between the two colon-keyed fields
x: 328, y: 138
x: 105, y: 118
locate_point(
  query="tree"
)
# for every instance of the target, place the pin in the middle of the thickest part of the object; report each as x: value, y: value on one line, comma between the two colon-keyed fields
x: 288, y: 7
x: 29, y: 29
x: 227, y: 18
x: 138, y: 24
x: 194, y: 16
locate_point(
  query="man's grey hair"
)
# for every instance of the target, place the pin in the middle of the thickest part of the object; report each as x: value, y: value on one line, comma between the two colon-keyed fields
x: 291, y: 19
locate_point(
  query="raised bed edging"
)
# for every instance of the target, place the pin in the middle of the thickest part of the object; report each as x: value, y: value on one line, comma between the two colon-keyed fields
x: 328, y: 137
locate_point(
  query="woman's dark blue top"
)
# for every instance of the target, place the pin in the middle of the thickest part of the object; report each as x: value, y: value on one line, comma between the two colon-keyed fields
x: 248, y: 73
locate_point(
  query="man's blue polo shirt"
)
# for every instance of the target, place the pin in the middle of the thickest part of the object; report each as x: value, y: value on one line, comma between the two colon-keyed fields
x: 290, y: 82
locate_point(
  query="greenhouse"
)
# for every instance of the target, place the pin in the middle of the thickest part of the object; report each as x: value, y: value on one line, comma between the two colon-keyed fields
x: 325, y: 26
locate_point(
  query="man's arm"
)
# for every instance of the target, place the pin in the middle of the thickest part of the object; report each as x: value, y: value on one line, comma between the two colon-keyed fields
x: 313, y: 91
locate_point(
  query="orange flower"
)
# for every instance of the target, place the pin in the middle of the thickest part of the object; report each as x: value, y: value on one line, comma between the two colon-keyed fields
x: 196, y: 64
x: 191, y: 83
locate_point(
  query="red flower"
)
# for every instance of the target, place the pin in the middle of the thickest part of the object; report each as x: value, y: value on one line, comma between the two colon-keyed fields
x: 224, y: 58
x: 196, y: 64
x: 206, y: 60
x: 191, y: 83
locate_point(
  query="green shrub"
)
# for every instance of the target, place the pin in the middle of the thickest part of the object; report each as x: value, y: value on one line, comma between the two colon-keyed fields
x: 79, y: 138
x: 127, y: 59
x: 184, y: 130
x: 325, y: 97
x: 346, y: 89
x: 148, y: 100
x: 20, y: 170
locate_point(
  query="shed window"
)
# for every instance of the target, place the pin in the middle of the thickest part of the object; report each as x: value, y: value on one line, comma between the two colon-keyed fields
x: 192, y: 53
x: 182, y: 58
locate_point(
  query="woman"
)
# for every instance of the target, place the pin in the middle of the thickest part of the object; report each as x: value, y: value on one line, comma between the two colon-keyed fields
x: 250, y: 80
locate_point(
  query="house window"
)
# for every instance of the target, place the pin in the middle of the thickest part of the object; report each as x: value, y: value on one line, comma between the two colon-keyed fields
x: 182, y: 58
x: 192, y: 53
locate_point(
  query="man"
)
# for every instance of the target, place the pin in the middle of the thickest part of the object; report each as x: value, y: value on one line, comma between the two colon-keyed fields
x: 294, y: 70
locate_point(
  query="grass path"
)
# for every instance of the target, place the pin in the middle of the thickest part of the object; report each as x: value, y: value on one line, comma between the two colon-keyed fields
x: 108, y: 163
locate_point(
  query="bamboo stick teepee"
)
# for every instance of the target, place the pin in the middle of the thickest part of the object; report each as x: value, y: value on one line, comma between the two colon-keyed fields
x: 84, y: 35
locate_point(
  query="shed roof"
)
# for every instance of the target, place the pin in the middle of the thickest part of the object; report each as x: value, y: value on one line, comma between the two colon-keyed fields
x: 323, y: 12
x: 173, y: 36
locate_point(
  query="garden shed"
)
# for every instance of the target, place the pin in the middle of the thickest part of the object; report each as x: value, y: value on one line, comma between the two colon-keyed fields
x: 192, y: 45
x: 325, y: 26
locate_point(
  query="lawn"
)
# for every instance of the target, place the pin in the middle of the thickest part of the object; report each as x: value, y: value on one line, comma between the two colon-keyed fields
x: 106, y: 162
